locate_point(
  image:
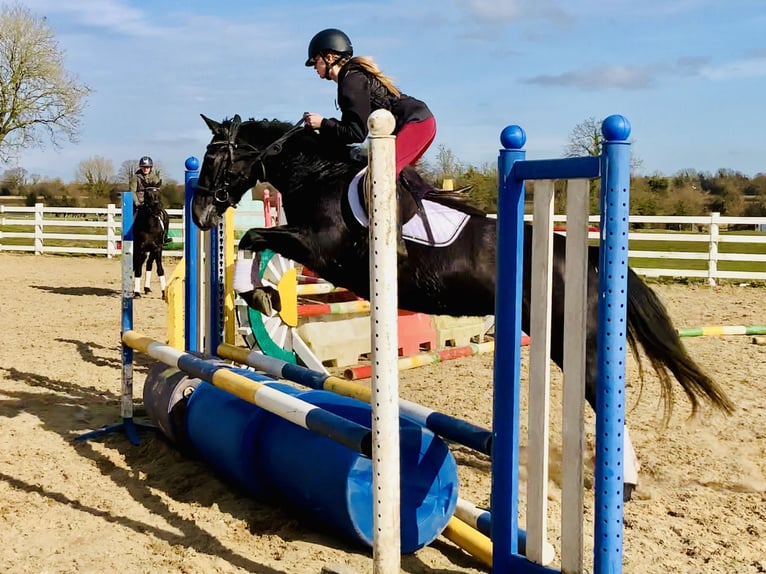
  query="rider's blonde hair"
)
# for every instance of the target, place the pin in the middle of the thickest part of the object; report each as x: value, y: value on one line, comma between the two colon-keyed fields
x: 369, y: 66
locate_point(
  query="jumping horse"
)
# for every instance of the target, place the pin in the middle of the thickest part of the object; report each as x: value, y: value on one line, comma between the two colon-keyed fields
x: 148, y: 238
x: 456, y: 279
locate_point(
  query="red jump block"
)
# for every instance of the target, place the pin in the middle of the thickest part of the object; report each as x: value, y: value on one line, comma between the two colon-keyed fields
x: 416, y: 333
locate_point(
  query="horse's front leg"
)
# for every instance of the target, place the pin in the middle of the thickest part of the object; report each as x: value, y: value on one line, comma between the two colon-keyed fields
x: 138, y: 263
x: 161, y: 273
x: 288, y: 242
x: 148, y: 272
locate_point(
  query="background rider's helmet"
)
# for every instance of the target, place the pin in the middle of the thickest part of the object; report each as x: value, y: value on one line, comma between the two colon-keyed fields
x: 145, y: 161
x: 329, y: 40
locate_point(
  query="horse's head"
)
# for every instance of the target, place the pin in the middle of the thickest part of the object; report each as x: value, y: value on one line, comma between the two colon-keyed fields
x: 234, y: 162
x: 152, y: 198
x: 223, y: 177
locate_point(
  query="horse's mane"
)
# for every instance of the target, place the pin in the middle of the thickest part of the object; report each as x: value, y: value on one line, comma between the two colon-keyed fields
x: 260, y: 132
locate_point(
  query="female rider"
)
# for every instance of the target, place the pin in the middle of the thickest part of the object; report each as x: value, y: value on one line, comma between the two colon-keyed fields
x: 362, y: 89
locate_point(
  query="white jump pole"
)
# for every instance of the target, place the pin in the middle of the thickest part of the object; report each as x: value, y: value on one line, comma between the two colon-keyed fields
x: 381, y: 178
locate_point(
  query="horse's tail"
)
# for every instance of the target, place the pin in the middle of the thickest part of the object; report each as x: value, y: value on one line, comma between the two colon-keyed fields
x: 650, y: 325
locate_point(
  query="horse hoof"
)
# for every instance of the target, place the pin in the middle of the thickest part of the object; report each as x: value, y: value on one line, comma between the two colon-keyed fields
x: 259, y: 300
x: 147, y: 290
x: 627, y: 491
x: 164, y: 297
x: 263, y: 299
x: 136, y: 295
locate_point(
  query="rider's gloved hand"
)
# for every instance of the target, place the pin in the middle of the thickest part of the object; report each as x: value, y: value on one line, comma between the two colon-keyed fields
x: 359, y: 151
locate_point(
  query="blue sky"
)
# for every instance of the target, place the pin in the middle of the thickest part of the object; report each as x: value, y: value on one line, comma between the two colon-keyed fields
x: 690, y: 75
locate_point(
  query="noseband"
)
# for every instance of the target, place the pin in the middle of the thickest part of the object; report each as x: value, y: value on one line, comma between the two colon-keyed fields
x: 221, y: 194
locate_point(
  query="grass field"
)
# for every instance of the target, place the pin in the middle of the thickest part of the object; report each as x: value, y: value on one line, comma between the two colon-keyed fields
x: 647, y: 244
x: 698, y: 247
x: 51, y: 229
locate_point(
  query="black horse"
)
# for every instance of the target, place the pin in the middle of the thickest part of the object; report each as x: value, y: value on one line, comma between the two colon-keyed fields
x: 458, y: 279
x: 149, y: 228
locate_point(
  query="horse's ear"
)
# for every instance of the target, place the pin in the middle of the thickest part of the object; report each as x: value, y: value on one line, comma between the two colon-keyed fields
x: 212, y: 124
x: 234, y: 125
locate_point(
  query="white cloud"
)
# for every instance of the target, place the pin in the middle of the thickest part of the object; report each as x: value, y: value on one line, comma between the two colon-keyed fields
x: 113, y: 16
x: 600, y: 77
x: 738, y: 69
x: 498, y: 12
x: 637, y: 77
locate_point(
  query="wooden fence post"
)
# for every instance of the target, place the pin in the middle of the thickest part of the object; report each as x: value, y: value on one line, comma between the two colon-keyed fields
x: 38, y: 228
x: 111, y: 236
x: 712, y: 266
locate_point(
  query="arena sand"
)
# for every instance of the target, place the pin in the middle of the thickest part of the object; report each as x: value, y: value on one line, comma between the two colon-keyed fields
x: 105, y: 506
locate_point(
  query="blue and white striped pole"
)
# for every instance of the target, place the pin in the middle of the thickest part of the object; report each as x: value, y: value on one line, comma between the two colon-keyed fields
x: 446, y: 426
x: 301, y: 413
x: 128, y: 425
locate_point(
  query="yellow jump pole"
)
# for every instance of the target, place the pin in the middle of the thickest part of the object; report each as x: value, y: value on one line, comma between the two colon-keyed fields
x: 469, y: 539
x: 228, y: 302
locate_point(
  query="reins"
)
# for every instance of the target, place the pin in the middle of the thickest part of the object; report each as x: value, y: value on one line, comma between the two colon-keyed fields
x: 221, y: 195
x: 276, y: 147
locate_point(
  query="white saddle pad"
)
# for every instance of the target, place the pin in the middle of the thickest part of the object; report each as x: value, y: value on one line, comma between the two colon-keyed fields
x: 446, y: 223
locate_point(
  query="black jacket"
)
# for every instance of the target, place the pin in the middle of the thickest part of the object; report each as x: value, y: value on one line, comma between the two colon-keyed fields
x: 360, y: 94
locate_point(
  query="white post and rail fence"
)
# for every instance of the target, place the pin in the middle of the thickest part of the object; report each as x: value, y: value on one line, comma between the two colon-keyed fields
x: 711, y: 247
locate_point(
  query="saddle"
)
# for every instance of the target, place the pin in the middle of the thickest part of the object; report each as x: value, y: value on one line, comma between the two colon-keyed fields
x: 411, y: 190
x: 435, y: 221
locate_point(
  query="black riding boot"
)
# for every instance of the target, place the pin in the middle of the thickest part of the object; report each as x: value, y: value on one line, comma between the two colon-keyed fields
x: 417, y: 189
x: 166, y: 225
x: 401, y: 246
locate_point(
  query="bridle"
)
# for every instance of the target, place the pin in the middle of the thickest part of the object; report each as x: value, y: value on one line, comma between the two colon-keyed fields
x: 221, y: 193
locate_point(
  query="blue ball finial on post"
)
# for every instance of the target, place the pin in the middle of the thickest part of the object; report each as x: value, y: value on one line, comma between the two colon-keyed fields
x: 616, y: 128
x: 513, y: 137
x: 192, y: 164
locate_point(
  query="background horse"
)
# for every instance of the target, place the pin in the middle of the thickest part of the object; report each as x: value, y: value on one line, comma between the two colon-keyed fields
x: 458, y: 279
x: 148, y: 237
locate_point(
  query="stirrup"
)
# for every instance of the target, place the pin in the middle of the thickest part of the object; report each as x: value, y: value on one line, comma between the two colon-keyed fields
x: 401, y: 247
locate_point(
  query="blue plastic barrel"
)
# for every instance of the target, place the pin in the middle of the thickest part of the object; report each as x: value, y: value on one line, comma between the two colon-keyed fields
x: 165, y: 398
x: 224, y: 431
x: 277, y: 460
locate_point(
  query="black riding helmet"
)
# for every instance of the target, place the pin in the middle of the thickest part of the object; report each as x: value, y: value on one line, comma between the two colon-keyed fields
x: 145, y: 161
x: 329, y: 40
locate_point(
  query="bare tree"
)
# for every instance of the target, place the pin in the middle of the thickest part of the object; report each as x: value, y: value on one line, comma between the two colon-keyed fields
x: 37, y: 95
x: 447, y: 165
x: 15, y: 179
x: 126, y: 175
x: 96, y: 174
x: 159, y: 169
x: 586, y: 139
